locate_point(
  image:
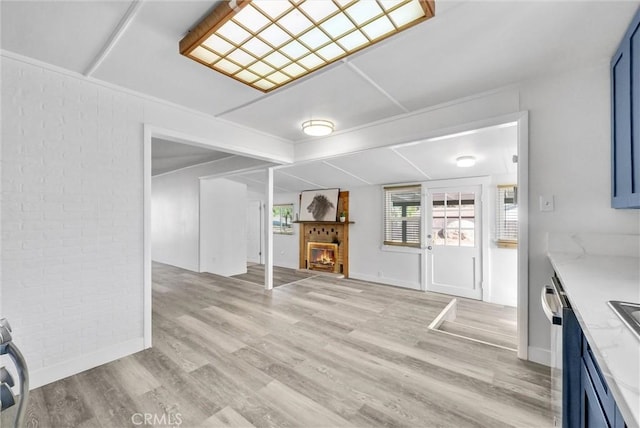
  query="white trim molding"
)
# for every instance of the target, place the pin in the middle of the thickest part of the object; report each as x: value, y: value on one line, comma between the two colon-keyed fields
x: 97, y: 358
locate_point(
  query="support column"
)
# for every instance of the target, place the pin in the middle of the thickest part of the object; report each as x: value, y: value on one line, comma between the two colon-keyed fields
x: 268, y: 230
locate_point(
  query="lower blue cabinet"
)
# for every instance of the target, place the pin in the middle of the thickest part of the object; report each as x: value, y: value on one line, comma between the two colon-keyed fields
x: 591, y: 412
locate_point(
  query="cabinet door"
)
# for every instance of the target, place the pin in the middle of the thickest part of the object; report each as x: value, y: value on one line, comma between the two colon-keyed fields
x: 621, y: 168
x: 634, y: 59
x: 592, y: 414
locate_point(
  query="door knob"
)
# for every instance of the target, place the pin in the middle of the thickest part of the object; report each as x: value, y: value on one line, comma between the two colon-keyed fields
x: 429, y: 248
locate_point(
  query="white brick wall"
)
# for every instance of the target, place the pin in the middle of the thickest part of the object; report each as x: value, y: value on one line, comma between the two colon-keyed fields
x: 72, y: 210
x: 72, y: 214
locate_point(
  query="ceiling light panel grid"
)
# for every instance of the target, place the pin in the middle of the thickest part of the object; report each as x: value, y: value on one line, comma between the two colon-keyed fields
x: 269, y: 43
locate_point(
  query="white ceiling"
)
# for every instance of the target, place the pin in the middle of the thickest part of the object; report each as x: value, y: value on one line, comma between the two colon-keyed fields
x: 469, y: 47
x: 433, y: 159
x: 169, y: 156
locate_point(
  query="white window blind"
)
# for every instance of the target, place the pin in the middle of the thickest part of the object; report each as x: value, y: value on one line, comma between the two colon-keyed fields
x: 507, y: 216
x: 402, y: 214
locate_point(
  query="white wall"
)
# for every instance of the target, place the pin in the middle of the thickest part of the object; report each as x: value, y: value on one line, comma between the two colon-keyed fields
x: 72, y: 211
x: 175, y: 211
x: 223, y: 228
x: 367, y: 259
x: 502, y: 286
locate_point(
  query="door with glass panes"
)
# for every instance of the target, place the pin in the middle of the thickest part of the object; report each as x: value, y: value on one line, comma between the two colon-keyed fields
x: 453, y: 239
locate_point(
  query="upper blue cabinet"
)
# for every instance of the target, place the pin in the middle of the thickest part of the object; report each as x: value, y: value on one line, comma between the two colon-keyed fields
x: 625, y: 125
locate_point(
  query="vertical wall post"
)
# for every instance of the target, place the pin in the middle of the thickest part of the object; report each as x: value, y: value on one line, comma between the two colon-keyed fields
x: 268, y: 230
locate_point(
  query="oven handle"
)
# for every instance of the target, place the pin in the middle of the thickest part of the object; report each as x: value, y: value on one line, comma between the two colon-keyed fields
x: 548, y: 294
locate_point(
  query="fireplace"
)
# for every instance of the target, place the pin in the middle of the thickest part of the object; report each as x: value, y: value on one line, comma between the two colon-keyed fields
x: 322, y: 256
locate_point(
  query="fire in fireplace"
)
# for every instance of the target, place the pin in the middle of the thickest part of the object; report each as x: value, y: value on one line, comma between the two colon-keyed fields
x: 322, y: 256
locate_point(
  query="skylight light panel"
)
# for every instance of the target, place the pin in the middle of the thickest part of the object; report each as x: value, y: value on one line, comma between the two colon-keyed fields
x: 264, y: 84
x: 273, y: 8
x: 257, y: 47
x: 276, y: 59
x: 314, y: 38
x: 278, y: 78
x: 247, y: 76
x: 337, y: 25
x: 318, y: 10
x: 407, y: 13
x: 241, y: 57
x: 364, y: 11
x: 261, y: 68
x: 217, y: 44
x: 295, y: 22
x: 294, y: 50
x: 390, y: 4
x: 274, y: 35
x: 378, y: 28
x: 294, y: 70
x: 311, y: 61
x: 251, y: 19
x: 353, y: 40
x: 234, y: 33
x: 330, y: 52
x: 204, y: 55
x: 227, y: 66
x: 269, y: 43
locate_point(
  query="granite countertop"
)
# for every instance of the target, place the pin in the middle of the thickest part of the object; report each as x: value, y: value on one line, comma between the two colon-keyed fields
x: 590, y: 281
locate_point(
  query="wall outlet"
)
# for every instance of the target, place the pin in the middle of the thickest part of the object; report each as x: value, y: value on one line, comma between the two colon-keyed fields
x: 546, y: 203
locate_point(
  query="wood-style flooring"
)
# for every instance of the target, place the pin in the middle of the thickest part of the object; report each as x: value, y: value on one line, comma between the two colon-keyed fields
x: 320, y: 352
x: 281, y: 275
x: 484, y: 322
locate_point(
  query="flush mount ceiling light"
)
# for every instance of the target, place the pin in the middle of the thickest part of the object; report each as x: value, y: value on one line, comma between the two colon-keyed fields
x: 317, y: 128
x: 465, y: 161
x: 269, y: 43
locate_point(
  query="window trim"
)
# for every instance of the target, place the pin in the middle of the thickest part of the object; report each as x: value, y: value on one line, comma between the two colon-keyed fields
x: 396, y: 245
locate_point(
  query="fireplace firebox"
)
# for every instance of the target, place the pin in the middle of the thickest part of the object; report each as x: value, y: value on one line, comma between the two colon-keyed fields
x: 322, y: 256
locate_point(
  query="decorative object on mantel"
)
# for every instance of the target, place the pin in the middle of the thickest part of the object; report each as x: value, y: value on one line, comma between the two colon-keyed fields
x: 343, y: 217
x: 319, y: 205
x: 315, y: 253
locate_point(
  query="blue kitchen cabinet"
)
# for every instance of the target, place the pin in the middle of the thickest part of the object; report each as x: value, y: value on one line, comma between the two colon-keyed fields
x: 587, y: 401
x: 625, y: 120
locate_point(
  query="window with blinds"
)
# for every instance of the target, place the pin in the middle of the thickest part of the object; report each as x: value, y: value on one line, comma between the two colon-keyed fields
x: 507, y: 216
x: 402, y: 214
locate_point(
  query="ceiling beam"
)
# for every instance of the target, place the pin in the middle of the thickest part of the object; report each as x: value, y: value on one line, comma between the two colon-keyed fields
x: 320, y: 186
x: 122, y: 26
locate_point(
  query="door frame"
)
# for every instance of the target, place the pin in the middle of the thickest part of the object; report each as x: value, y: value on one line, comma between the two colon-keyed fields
x: 483, y: 182
x: 521, y: 118
x: 261, y: 226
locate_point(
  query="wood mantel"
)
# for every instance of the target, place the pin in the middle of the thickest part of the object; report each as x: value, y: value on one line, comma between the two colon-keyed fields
x: 328, y: 232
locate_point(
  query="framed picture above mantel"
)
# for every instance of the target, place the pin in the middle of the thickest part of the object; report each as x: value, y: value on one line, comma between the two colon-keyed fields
x: 319, y: 205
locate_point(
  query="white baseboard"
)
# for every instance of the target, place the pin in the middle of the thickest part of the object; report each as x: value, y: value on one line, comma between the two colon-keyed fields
x: 540, y: 356
x: 383, y: 280
x: 67, y: 368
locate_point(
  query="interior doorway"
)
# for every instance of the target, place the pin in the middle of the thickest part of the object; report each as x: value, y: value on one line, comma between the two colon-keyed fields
x: 254, y: 232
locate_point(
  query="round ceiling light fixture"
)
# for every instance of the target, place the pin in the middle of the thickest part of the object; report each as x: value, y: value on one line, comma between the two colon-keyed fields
x: 317, y: 127
x: 465, y: 161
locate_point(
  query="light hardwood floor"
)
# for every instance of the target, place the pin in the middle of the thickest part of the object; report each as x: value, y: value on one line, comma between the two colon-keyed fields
x: 321, y: 352
x: 281, y: 276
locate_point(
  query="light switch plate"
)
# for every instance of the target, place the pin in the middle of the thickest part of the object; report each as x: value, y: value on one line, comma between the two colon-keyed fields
x: 546, y: 203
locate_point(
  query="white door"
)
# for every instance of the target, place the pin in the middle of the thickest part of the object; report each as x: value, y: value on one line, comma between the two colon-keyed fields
x: 254, y: 232
x: 453, y: 238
